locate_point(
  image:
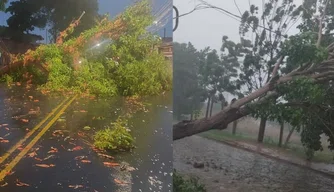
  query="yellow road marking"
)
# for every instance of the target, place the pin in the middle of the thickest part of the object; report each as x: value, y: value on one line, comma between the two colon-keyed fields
x: 12, y: 164
x: 12, y: 149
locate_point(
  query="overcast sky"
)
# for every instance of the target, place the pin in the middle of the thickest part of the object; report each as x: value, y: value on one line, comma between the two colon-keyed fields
x: 206, y: 27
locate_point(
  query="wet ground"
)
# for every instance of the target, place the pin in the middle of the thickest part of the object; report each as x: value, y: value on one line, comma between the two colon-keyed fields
x: 63, y: 159
x: 234, y: 170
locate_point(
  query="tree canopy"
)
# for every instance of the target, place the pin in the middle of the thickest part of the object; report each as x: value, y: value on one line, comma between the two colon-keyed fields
x: 26, y: 15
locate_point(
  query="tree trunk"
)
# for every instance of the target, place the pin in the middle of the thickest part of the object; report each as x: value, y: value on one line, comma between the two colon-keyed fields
x: 288, y: 137
x: 211, y: 106
x: 220, y: 120
x: 191, y: 116
x: 262, y: 129
x: 234, y: 128
x: 207, y: 108
x: 281, y: 135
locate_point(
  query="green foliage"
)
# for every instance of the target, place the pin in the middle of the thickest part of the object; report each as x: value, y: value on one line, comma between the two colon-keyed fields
x: 8, y: 79
x: 186, y: 185
x: 116, y: 138
x: 306, y: 106
x: 93, y: 78
x: 128, y: 65
x: 147, y: 75
x: 301, y: 49
x: 60, y: 75
x: 188, y: 91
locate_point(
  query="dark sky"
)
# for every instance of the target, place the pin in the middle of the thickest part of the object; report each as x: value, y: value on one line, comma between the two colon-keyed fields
x: 111, y: 7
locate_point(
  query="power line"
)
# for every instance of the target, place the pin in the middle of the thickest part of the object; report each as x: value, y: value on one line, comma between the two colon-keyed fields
x: 206, y: 5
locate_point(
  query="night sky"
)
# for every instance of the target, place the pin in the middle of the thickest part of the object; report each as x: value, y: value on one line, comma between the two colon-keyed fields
x: 108, y: 6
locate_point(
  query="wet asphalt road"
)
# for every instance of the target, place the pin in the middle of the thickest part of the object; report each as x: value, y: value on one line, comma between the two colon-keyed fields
x: 235, y: 170
x: 64, y: 159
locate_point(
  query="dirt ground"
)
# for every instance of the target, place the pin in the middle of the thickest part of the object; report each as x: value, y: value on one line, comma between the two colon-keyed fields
x: 234, y: 170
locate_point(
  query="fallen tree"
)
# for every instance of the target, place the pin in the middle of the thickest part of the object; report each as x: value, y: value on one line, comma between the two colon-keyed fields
x: 318, y: 72
x: 115, y: 57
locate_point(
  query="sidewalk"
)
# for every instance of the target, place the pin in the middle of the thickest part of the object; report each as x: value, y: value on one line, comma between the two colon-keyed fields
x: 323, y: 168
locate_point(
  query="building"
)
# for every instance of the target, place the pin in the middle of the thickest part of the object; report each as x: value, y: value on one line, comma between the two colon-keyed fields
x: 167, y: 48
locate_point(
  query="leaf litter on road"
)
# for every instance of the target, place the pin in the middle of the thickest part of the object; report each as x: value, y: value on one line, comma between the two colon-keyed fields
x: 3, y: 185
x: 111, y: 164
x: 85, y: 161
x: 80, y: 157
x: 105, y: 156
x: 48, y: 157
x: 120, y: 182
x: 21, y: 184
x: 45, y: 165
x: 32, y: 154
x: 38, y: 159
x: 53, y: 150
x: 10, y: 173
x: 77, y: 148
x: 25, y: 120
x: 75, y: 186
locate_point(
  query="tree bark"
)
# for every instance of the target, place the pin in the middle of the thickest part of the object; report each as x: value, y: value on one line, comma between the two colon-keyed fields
x: 262, y: 129
x: 281, y: 135
x: 207, y: 108
x: 288, y: 137
x: 211, y: 106
x: 234, y: 128
x: 222, y: 119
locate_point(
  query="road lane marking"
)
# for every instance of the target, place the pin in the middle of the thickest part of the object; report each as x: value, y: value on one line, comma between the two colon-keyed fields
x: 17, y: 145
x: 12, y: 164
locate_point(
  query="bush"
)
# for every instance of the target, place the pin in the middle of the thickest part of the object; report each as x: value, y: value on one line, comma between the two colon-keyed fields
x: 8, y: 79
x: 116, y: 138
x: 186, y: 185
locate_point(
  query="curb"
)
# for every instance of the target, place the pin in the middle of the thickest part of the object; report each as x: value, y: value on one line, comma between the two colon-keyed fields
x: 238, y: 146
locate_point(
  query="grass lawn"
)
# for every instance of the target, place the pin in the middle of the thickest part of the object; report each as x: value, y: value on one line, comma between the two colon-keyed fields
x: 295, y: 150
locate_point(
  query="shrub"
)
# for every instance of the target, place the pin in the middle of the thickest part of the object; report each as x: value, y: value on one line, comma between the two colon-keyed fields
x: 115, y: 138
x: 8, y: 79
x: 186, y: 185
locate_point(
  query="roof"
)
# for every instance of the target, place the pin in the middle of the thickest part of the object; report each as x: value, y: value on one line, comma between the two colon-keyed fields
x: 167, y: 41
